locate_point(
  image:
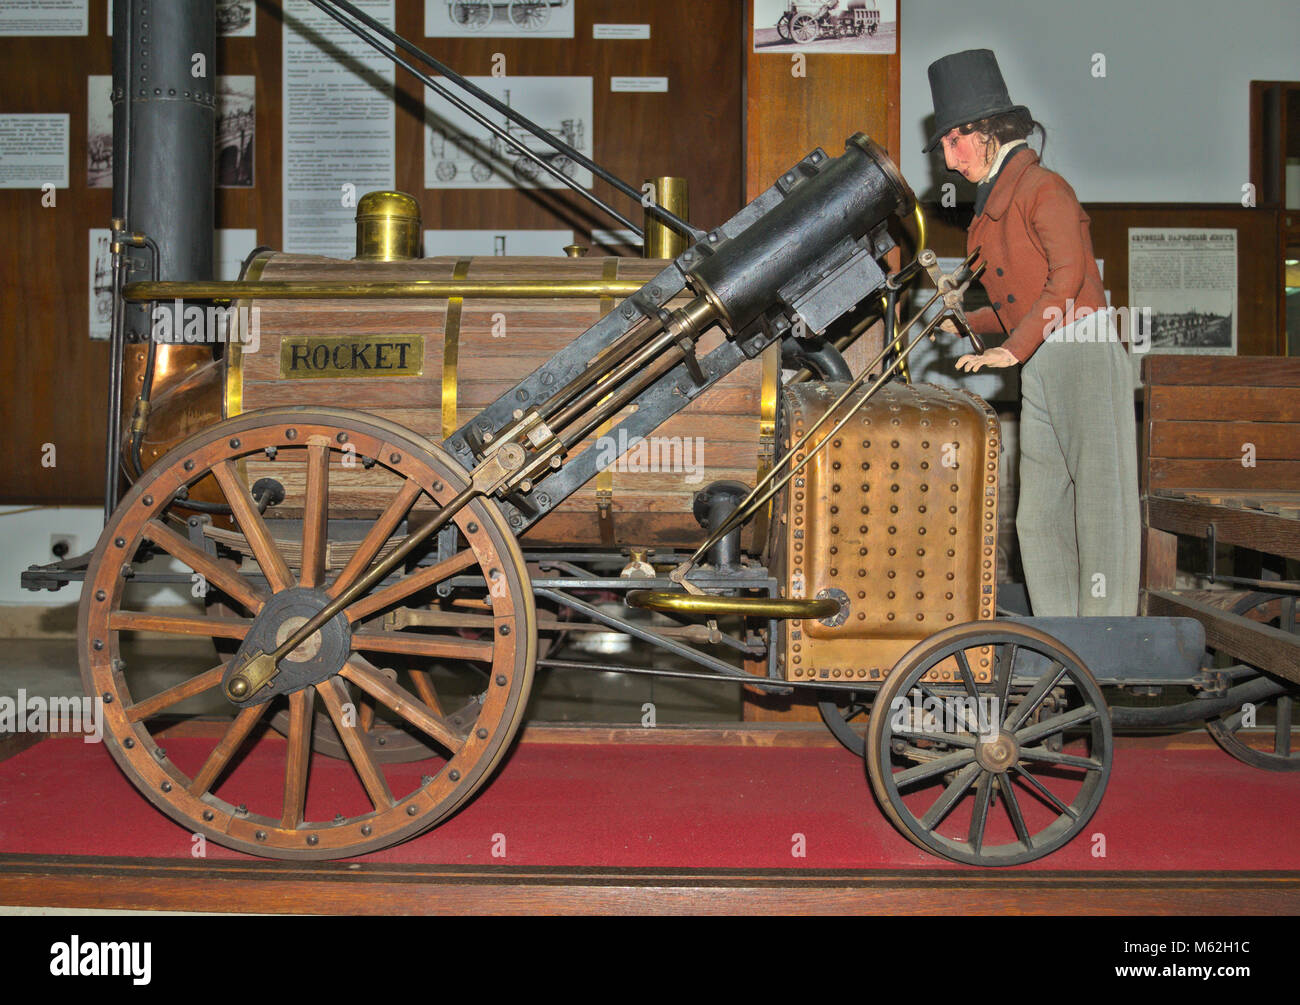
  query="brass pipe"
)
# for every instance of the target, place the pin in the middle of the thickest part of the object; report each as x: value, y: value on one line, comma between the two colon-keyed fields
x: 432, y: 289
x: 784, y: 609
x: 661, y: 240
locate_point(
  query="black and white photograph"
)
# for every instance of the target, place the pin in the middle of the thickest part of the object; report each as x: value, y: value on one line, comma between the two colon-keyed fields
x: 237, y: 17
x: 814, y: 26
x: 99, y: 131
x: 236, y: 130
x: 460, y: 153
x: 499, y: 18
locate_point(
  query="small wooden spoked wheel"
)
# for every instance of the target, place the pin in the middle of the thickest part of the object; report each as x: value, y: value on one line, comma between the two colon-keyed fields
x: 466, y: 713
x: 1036, y: 738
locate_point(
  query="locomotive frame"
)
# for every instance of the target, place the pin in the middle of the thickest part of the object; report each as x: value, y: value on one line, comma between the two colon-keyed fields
x: 302, y: 636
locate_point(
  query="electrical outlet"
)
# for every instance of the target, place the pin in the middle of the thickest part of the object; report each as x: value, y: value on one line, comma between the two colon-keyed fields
x: 62, y: 545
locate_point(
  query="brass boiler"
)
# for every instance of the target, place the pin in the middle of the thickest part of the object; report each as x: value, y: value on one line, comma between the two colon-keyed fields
x: 427, y: 342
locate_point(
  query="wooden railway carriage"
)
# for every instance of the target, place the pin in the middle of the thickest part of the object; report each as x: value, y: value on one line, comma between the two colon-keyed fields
x: 406, y: 478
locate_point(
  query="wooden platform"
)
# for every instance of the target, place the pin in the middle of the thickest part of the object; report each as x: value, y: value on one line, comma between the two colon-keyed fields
x: 371, y: 886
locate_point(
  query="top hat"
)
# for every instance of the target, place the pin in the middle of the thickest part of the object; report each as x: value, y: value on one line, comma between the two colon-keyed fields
x: 966, y: 86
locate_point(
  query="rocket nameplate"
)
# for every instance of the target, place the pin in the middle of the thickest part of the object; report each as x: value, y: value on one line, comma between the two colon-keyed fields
x: 351, y: 357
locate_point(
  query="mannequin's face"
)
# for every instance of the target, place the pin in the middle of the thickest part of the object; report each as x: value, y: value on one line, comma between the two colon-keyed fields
x: 967, y: 154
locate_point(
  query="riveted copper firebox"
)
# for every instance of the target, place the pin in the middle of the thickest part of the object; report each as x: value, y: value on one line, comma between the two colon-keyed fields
x: 899, y: 515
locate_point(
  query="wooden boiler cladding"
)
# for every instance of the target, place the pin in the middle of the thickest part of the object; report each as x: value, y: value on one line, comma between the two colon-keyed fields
x: 898, y: 515
x: 473, y: 351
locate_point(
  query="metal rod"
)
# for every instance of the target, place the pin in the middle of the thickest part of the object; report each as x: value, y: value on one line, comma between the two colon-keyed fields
x: 668, y: 217
x: 474, y: 113
x: 419, y: 289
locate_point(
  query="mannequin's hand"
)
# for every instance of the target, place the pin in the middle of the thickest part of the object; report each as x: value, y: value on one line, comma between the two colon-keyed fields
x: 995, y: 357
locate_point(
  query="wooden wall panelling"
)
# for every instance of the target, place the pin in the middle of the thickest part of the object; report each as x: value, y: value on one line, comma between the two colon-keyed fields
x: 54, y: 386
x: 58, y: 391
x: 693, y: 130
x: 787, y: 116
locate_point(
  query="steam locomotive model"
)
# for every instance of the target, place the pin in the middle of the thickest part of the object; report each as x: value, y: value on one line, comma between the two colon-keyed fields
x: 389, y: 557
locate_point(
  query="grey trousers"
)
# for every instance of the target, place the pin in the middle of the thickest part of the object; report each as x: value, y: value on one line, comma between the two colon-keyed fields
x: 1078, y: 520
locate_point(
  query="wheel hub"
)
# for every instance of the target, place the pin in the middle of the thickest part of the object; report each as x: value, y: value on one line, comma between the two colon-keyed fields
x: 998, y: 754
x: 320, y: 656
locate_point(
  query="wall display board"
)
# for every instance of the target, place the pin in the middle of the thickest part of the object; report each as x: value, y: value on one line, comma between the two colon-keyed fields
x: 33, y: 151
x: 44, y: 17
x: 338, y: 135
x: 1182, y: 281
x: 462, y: 154
x: 499, y: 18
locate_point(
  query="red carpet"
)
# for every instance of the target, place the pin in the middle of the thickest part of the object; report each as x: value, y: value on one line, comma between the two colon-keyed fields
x: 680, y: 806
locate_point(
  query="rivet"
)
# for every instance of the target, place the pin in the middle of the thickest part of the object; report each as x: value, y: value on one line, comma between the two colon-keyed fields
x: 454, y: 775
x: 147, y: 500
x: 481, y: 733
x: 120, y: 542
x: 208, y: 815
x: 411, y: 811
x: 291, y: 434
x: 234, y: 443
x: 166, y: 786
x: 188, y: 465
x: 366, y: 830
x: 260, y: 835
x: 505, y: 629
x: 471, y: 527
x: 313, y: 840
x: 128, y: 743
x: 501, y: 680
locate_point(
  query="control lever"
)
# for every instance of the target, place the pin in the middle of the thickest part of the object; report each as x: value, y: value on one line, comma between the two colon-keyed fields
x: 952, y: 286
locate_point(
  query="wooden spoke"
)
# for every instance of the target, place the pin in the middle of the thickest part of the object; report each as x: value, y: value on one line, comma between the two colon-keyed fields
x: 419, y: 580
x: 928, y: 769
x: 955, y: 790
x: 967, y: 677
x: 1065, y: 760
x: 1015, y: 718
x: 424, y: 688
x: 1013, y: 810
x: 403, y: 703
x: 175, y: 695
x: 366, y: 713
x: 175, y: 624
x: 315, y: 517
x: 373, y: 542
x: 1056, y: 724
x: 250, y: 521
x: 334, y: 695
x: 980, y: 812
x: 299, y: 757
x: 412, y: 644
x: 225, y: 749
x: 221, y: 576
x: 1045, y: 792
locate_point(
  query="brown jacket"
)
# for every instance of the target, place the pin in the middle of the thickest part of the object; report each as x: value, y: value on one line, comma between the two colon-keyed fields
x: 1034, y: 237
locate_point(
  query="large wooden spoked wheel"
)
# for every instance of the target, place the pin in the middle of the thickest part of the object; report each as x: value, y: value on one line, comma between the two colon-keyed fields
x: 1036, y: 739
x: 530, y: 15
x: 226, y: 791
